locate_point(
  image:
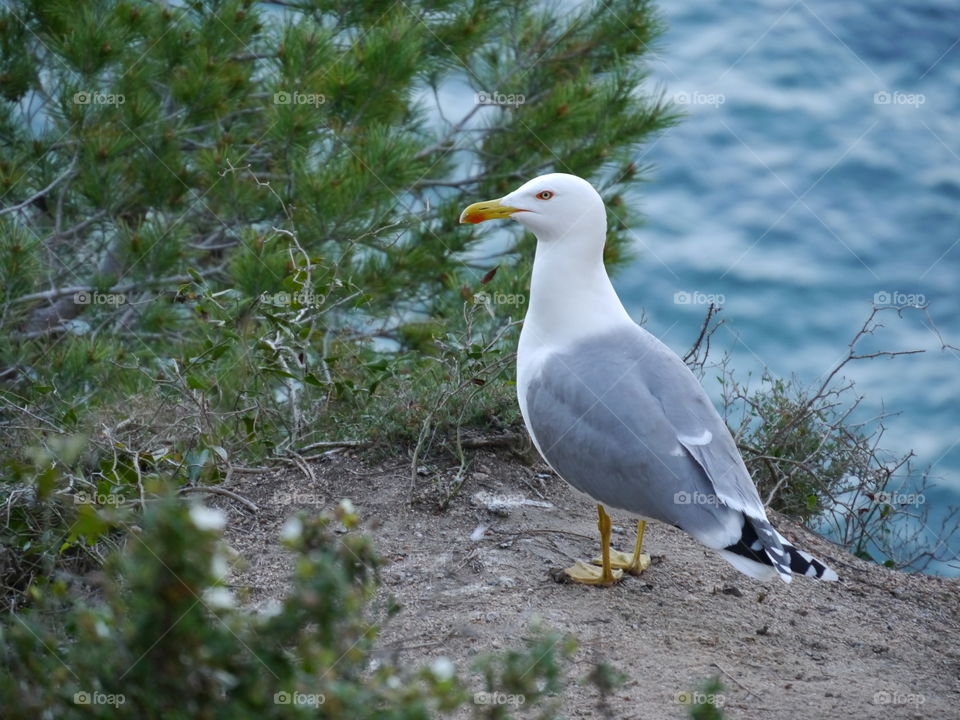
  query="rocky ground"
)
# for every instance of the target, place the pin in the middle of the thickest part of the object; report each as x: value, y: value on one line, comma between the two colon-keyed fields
x: 878, y: 644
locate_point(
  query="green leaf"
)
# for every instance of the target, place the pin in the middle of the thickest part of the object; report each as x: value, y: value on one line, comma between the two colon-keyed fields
x: 281, y: 373
x: 219, y: 351
x: 195, y: 382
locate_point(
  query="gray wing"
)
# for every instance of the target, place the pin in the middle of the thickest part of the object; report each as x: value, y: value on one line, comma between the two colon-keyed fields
x: 621, y: 418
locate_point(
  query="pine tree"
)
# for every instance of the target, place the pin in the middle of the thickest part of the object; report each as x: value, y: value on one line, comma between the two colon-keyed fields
x: 256, y: 183
x: 228, y: 229
x: 146, y: 144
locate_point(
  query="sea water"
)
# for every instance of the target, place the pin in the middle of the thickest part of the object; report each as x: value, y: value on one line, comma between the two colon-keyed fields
x: 816, y: 175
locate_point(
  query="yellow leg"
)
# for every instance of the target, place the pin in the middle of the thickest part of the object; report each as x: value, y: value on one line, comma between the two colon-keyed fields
x: 590, y: 575
x: 633, y: 564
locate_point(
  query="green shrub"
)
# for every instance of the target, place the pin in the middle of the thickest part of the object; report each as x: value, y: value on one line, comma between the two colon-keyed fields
x: 159, y: 634
x: 228, y: 229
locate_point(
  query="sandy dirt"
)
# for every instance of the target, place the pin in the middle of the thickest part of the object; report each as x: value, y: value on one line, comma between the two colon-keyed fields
x: 878, y: 644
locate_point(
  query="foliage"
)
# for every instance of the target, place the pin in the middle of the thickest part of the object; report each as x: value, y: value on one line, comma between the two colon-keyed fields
x: 228, y: 230
x: 811, y: 458
x: 168, y: 640
x: 708, y: 703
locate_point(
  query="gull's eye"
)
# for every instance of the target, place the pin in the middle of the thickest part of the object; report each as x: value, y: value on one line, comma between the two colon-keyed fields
x: 545, y: 195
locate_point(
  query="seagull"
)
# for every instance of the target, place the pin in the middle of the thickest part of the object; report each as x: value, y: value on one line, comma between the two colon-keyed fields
x: 616, y: 413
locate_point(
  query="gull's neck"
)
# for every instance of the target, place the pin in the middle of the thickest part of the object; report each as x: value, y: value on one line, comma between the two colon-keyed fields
x: 571, y: 296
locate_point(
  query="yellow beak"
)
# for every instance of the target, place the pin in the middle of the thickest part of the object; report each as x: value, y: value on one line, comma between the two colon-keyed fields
x: 489, y: 210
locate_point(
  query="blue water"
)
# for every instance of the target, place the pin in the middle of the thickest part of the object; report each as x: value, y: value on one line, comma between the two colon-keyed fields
x: 797, y: 193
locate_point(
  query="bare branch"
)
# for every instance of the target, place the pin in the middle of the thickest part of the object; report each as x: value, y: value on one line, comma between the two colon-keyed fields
x: 39, y: 194
x: 116, y: 289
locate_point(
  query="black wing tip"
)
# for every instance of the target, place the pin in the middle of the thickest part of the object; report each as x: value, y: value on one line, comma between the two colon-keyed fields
x: 761, y: 543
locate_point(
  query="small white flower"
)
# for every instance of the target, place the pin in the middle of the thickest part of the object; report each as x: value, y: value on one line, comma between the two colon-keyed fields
x: 292, y: 529
x: 442, y: 668
x: 271, y: 609
x: 219, y: 598
x: 346, y: 506
x: 207, y: 518
x: 226, y: 679
x: 219, y: 566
